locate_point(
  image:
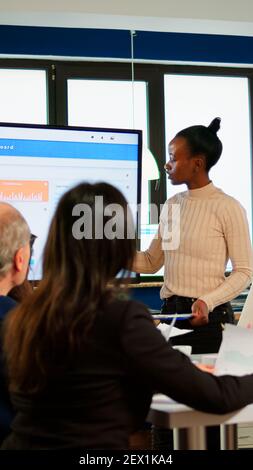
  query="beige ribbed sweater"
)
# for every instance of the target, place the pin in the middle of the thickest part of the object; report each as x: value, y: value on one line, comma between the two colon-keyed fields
x: 213, y: 228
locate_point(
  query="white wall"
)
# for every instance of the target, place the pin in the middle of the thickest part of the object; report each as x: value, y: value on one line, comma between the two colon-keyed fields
x: 233, y: 10
x: 220, y: 16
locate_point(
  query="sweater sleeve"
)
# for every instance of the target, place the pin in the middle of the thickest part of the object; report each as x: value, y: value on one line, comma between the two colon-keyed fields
x: 168, y: 371
x: 236, y: 233
x: 151, y: 260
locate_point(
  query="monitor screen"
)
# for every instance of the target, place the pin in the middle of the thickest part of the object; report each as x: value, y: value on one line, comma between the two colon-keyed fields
x: 40, y: 163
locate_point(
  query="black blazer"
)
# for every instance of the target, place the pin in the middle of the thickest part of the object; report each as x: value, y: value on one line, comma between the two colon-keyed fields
x: 6, y: 410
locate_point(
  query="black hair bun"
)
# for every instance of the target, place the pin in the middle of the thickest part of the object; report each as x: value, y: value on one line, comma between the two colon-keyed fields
x: 214, y: 125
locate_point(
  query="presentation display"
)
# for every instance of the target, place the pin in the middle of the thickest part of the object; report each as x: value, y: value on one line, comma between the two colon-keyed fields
x: 40, y: 163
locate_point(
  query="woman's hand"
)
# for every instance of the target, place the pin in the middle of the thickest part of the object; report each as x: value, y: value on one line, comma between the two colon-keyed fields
x: 199, y: 313
x: 206, y: 368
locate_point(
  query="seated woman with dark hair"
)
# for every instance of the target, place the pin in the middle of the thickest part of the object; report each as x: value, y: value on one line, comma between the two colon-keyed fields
x: 82, y: 363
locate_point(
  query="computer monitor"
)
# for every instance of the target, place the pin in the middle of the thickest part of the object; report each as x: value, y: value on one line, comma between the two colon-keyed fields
x: 39, y: 163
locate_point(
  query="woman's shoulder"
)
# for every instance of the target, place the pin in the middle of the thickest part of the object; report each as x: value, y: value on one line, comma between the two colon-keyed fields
x: 119, y: 309
x: 176, y: 198
x: 123, y: 305
x: 229, y: 202
x: 118, y: 313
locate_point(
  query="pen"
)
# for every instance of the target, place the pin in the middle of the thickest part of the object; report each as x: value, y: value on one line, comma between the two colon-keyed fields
x: 171, y: 326
x: 178, y: 316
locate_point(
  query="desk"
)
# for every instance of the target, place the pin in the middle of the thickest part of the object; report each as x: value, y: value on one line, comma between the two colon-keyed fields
x: 189, y: 425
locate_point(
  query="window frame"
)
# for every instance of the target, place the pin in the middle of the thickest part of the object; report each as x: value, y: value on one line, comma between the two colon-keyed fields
x: 48, y: 67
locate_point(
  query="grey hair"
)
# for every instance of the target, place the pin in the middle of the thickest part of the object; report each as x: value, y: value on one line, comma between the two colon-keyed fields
x: 14, y: 233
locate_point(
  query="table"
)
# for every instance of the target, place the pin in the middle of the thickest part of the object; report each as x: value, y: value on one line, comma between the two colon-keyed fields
x: 189, y: 425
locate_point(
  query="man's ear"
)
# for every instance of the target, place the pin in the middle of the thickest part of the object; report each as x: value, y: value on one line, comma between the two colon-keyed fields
x: 19, y: 259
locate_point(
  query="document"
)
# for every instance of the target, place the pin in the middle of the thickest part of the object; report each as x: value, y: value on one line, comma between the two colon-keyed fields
x: 160, y: 398
x: 235, y: 355
x: 168, y: 332
x: 246, y: 317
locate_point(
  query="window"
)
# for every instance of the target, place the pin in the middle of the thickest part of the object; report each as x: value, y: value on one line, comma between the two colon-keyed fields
x: 162, y: 100
x: 112, y: 103
x: 23, y: 96
x: 195, y: 99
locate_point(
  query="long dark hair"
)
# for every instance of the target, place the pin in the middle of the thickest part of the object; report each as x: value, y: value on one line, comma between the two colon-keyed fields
x: 43, y: 333
x: 204, y: 140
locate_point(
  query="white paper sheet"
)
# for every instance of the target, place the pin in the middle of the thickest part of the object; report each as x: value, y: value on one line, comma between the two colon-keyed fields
x: 235, y: 356
x: 246, y: 317
x: 160, y: 398
x: 166, y: 331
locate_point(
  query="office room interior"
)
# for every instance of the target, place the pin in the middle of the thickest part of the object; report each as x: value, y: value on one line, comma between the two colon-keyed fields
x: 157, y: 67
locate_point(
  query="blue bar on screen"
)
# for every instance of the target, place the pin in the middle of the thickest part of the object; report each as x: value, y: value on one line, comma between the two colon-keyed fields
x: 66, y: 149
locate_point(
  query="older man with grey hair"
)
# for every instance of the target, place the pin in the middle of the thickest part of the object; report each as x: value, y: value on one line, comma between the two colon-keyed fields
x: 14, y: 249
x: 14, y: 260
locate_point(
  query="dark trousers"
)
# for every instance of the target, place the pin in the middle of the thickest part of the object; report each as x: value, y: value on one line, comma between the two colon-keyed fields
x: 203, y: 339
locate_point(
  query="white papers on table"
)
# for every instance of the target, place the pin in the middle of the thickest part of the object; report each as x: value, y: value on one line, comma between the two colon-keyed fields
x: 246, y: 317
x: 160, y: 398
x: 235, y: 356
x: 167, y: 332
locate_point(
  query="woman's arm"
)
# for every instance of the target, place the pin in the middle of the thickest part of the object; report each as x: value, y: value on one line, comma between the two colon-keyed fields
x: 168, y: 371
x: 151, y: 260
x: 236, y: 233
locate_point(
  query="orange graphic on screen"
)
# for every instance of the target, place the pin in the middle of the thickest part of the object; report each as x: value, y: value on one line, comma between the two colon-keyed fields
x: 23, y: 191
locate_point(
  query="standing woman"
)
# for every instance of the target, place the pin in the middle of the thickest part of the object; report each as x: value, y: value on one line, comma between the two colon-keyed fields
x: 212, y: 229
